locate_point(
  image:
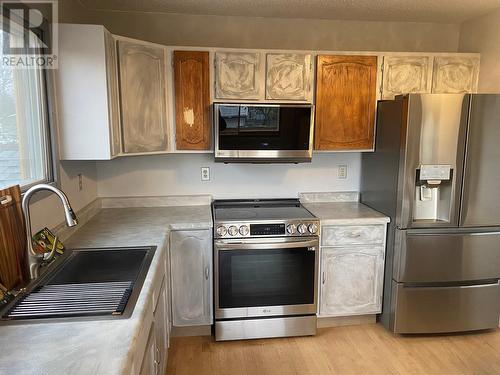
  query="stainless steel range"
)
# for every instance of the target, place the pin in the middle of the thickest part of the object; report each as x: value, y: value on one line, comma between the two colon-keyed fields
x: 266, y: 266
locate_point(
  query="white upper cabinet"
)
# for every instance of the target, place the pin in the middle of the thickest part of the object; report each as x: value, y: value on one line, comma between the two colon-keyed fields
x: 238, y: 75
x: 455, y: 74
x: 143, y: 97
x: 113, y: 95
x: 87, y: 93
x: 288, y: 76
x: 406, y: 75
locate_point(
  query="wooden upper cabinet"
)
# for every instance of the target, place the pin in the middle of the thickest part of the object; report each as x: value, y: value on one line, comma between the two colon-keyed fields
x: 346, y: 96
x: 238, y: 75
x: 455, y: 74
x: 406, y: 75
x: 143, y: 97
x: 288, y: 76
x: 192, y: 100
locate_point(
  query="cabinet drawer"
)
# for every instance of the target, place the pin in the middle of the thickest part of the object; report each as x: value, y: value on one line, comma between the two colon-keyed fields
x: 352, y: 235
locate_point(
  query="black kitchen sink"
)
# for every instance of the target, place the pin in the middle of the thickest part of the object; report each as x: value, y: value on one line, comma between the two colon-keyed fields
x: 98, y: 266
x: 85, y: 283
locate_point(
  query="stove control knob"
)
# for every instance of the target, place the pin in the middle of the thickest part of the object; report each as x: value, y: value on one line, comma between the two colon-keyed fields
x: 233, y: 231
x: 302, y: 228
x: 221, y: 231
x: 244, y: 230
x: 291, y: 228
x: 313, y: 228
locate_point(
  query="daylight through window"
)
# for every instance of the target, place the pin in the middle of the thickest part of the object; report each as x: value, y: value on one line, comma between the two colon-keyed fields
x: 25, y: 154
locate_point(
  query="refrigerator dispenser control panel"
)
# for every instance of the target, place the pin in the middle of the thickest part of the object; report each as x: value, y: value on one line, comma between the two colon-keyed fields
x: 435, y: 172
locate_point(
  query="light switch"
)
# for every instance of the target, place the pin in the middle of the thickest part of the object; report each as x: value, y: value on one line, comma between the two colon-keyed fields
x: 342, y: 172
x: 205, y: 173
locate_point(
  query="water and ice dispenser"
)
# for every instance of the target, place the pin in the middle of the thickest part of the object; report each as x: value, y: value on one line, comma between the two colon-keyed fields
x: 433, y: 193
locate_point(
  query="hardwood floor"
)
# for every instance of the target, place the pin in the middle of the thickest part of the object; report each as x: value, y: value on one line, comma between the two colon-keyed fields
x: 362, y: 349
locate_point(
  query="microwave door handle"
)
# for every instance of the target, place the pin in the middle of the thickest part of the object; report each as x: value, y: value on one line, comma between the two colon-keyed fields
x: 310, y: 245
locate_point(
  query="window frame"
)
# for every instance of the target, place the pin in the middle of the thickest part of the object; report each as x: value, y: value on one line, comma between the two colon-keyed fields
x: 48, y: 118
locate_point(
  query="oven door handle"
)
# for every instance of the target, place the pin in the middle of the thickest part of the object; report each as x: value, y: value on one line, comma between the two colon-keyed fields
x: 310, y: 245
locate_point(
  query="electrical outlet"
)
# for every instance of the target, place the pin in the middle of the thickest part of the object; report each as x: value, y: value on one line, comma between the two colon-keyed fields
x: 342, y: 172
x: 80, y: 182
x: 205, y: 173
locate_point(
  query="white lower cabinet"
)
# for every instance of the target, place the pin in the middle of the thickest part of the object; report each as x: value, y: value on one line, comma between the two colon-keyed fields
x: 154, y: 359
x: 148, y: 366
x: 351, y: 280
x: 352, y: 275
x: 191, y: 277
x: 152, y: 342
x: 161, y: 331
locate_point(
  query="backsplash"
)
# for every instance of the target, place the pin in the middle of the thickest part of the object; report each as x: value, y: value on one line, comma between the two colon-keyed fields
x: 344, y: 196
x: 163, y: 175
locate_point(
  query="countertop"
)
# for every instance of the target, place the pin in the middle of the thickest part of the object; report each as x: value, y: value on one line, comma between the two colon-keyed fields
x: 106, y: 346
x: 345, y: 213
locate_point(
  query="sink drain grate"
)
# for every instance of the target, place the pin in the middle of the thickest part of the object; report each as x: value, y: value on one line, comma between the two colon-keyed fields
x: 70, y: 300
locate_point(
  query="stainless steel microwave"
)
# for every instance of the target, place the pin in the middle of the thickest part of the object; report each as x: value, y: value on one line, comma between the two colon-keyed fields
x: 263, y: 133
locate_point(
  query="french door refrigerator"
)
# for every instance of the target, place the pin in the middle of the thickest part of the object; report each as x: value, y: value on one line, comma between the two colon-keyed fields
x: 436, y: 172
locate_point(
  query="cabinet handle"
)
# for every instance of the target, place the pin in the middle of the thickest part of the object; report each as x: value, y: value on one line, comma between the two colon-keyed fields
x: 207, y: 272
x: 323, y: 277
x: 158, y: 357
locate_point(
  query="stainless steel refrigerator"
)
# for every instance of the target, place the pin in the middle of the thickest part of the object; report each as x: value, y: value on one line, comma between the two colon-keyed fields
x: 436, y: 172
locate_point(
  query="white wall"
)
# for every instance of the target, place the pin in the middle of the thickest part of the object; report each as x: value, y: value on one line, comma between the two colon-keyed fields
x: 48, y: 212
x: 267, y: 32
x: 180, y: 174
x: 482, y: 35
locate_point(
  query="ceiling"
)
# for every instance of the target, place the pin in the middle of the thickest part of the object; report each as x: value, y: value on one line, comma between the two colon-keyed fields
x: 441, y: 11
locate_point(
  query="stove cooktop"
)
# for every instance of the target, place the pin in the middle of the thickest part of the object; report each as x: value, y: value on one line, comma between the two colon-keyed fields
x: 263, y: 217
x: 260, y: 210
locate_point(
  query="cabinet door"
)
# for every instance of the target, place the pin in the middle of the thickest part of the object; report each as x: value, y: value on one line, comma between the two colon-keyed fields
x: 148, y: 366
x: 143, y: 97
x: 86, y: 101
x: 192, y: 100
x: 351, y: 280
x: 406, y: 75
x: 191, y: 272
x: 161, y: 338
x: 288, y: 76
x: 455, y: 74
x: 345, y: 102
x: 113, y: 97
x: 237, y: 75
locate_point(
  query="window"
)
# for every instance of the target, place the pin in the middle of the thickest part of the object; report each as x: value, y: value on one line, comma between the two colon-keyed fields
x: 25, y: 150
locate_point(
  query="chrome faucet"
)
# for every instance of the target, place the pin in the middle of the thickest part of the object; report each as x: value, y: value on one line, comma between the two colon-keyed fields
x: 35, y: 259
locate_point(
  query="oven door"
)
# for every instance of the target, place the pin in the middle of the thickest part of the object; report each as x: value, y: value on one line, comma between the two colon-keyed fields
x: 265, y: 277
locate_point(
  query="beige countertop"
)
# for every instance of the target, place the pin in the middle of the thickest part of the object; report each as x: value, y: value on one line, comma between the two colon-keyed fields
x: 345, y: 213
x: 105, y: 346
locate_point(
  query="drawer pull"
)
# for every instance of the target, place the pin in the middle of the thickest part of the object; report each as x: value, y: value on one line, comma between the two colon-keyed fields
x: 5, y: 199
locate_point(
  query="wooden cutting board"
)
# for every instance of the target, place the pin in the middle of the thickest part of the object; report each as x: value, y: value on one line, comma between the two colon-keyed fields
x: 13, y: 259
